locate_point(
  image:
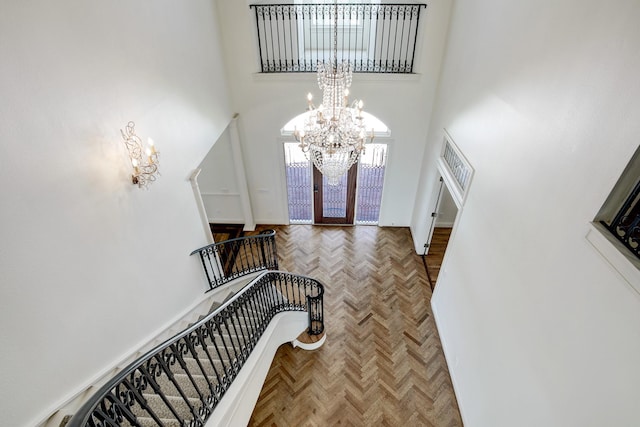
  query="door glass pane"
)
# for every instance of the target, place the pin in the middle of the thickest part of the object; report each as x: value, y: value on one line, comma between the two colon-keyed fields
x: 298, y: 171
x: 334, y: 198
x: 370, y: 180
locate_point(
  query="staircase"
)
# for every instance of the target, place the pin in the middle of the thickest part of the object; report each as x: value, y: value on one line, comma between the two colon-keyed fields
x: 200, y: 375
x: 195, y: 378
x: 189, y: 379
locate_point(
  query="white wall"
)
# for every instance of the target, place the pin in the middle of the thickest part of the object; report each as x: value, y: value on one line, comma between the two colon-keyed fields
x: 267, y: 102
x: 218, y: 184
x: 91, y: 265
x: 543, y: 100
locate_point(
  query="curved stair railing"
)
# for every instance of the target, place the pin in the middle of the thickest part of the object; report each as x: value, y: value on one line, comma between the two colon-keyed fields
x: 180, y: 382
x: 228, y: 260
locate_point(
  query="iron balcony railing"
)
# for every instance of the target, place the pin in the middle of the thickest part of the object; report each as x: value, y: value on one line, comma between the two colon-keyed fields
x: 373, y: 38
x: 180, y: 382
x: 625, y: 226
x: 228, y: 260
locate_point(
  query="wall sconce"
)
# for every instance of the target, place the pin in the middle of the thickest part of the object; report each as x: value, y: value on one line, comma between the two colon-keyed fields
x: 144, y: 158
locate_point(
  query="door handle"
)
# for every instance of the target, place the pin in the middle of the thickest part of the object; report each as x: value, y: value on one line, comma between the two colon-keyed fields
x: 315, y: 188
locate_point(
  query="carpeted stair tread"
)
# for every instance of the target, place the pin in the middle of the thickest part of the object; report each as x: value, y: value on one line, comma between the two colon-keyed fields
x: 150, y: 422
x: 230, y: 334
x: 226, y: 355
x: 205, y: 364
x: 161, y: 410
x: 186, y: 385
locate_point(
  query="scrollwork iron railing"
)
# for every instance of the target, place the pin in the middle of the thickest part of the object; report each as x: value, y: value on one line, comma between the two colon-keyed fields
x: 180, y: 382
x: 373, y: 38
x: 228, y: 260
x: 625, y: 226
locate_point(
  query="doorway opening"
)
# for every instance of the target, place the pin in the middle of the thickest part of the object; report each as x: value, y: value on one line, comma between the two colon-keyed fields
x: 356, y: 199
x: 334, y: 204
x: 455, y: 175
x: 358, y: 196
x: 442, y: 220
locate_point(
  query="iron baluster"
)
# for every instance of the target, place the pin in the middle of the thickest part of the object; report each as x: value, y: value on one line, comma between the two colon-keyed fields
x: 235, y: 266
x: 202, y: 334
x: 290, y: 293
x: 253, y: 249
x: 220, y: 334
x: 247, y: 257
x: 278, y: 38
x: 298, y: 10
x: 261, y: 301
x: 166, y: 359
x: 224, y: 379
x: 262, y: 252
x: 258, y: 11
x: 415, y: 40
x: 249, y: 317
x: 395, y: 12
x: 126, y: 399
x: 150, y: 370
x: 182, y: 348
x: 235, y: 361
x: 235, y: 319
x: 290, y: 19
x: 233, y: 258
x: 204, y: 265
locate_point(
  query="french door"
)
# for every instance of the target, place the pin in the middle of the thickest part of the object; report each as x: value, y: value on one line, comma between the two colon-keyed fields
x: 312, y: 200
x: 334, y: 204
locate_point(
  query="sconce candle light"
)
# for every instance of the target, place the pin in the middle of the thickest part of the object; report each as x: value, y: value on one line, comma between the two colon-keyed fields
x: 145, y: 169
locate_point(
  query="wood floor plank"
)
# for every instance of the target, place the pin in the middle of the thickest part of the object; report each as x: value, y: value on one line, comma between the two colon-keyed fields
x: 434, y: 258
x: 382, y: 362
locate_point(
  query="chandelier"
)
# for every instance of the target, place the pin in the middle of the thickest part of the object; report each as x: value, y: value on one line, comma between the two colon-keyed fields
x: 333, y: 134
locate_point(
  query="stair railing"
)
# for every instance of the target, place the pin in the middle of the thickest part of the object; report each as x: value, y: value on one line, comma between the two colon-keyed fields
x: 228, y: 260
x: 316, y: 314
x: 181, y: 381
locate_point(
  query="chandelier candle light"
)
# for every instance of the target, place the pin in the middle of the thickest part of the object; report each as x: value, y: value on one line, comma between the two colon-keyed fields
x: 334, y: 133
x: 145, y: 167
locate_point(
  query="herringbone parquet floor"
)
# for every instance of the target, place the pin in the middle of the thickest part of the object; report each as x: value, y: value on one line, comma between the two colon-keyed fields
x: 382, y: 363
